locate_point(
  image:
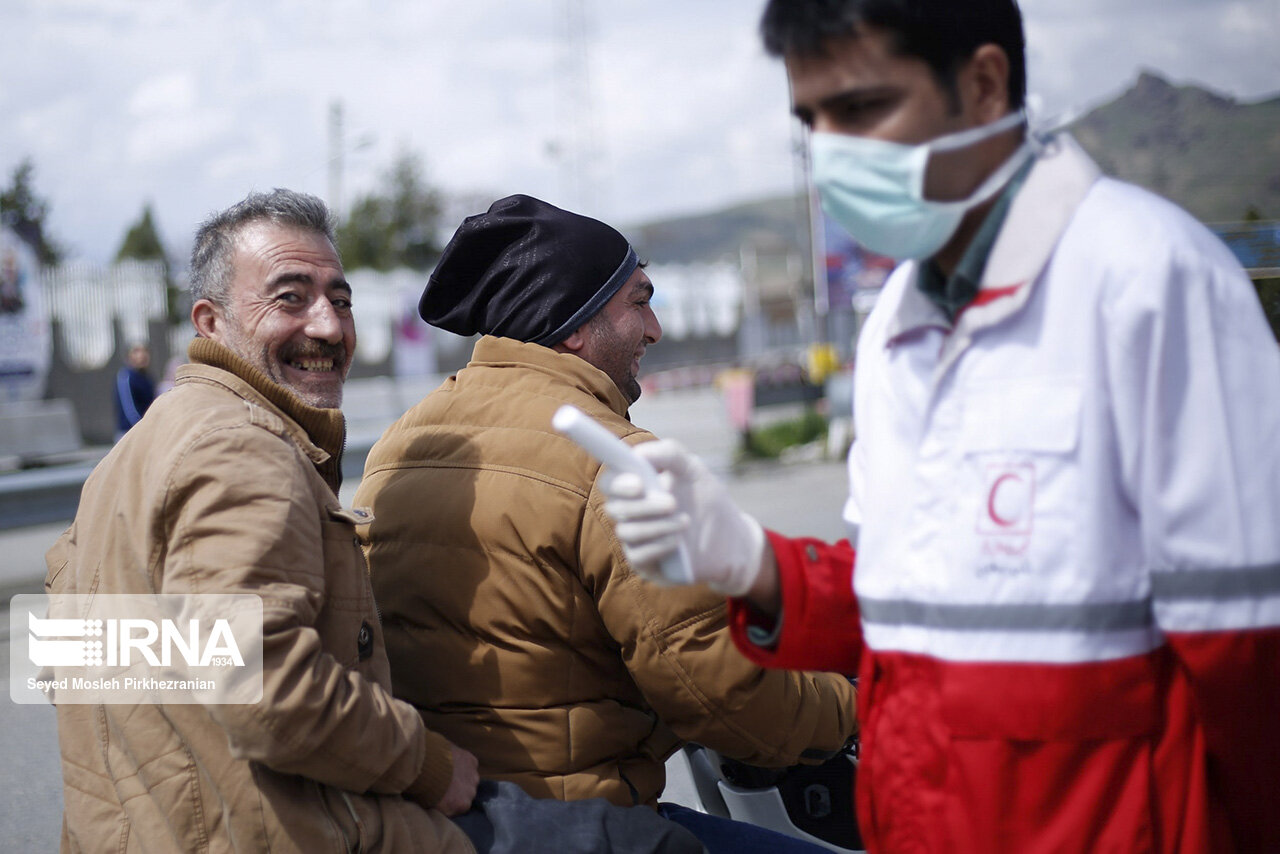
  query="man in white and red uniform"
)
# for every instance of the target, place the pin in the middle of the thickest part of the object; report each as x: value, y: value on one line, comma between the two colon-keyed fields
x: 1064, y: 609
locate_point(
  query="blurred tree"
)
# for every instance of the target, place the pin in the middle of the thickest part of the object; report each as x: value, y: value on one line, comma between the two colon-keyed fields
x: 142, y: 243
x: 25, y: 212
x: 1269, y: 296
x: 394, y: 226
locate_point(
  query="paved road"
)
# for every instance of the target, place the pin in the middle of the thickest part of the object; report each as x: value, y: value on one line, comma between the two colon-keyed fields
x: 797, y: 499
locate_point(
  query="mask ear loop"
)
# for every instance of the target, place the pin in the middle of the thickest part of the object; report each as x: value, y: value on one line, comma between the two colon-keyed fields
x: 1042, y: 129
x: 966, y: 138
x: 998, y: 178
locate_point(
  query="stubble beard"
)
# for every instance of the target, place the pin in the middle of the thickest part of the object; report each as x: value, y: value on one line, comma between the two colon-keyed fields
x: 615, y: 362
x: 260, y: 357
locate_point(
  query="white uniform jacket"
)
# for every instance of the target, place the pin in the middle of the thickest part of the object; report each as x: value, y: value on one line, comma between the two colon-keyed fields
x: 1081, y: 480
x: 1094, y: 450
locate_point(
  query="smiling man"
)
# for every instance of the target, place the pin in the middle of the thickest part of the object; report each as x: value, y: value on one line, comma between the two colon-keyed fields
x: 286, y: 308
x: 514, y: 625
x: 229, y: 484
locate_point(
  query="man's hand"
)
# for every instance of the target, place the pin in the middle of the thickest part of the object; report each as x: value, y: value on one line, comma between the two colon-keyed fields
x: 462, y: 788
x: 726, y: 547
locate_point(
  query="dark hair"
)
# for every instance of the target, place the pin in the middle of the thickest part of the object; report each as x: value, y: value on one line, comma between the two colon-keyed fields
x: 942, y: 33
x: 211, y: 271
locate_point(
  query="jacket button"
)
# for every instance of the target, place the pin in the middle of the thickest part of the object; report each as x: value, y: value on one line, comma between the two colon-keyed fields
x: 811, y: 553
x: 364, y: 641
x: 355, y: 541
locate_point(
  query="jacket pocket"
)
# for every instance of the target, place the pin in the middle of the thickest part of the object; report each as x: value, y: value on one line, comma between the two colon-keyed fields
x: 1019, y: 444
x: 348, y: 615
x: 56, y: 577
x: 1052, y: 757
x: 338, y: 812
x: 1018, y: 487
x: 1041, y: 416
x: 346, y: 576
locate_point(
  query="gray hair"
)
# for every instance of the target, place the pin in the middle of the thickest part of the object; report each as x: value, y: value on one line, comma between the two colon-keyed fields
x: 211, y: 271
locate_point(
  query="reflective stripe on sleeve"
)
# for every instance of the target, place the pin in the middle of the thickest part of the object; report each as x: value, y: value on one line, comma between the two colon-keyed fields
x: 1195, y: 600
x: 1216, y: 583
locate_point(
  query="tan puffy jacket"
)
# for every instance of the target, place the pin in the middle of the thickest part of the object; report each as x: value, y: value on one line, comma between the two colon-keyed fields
x: 513, y: 622
x: 227, y: 486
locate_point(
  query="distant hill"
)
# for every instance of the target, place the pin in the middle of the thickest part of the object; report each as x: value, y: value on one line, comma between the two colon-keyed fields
x: 1214, y: 156
x: 719, y: 235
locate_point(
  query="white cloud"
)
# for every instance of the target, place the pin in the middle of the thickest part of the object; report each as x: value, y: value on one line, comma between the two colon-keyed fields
x: 1084, y: 51
x: 171, y: 93
x: 191, y: 104
x: 167, y: 122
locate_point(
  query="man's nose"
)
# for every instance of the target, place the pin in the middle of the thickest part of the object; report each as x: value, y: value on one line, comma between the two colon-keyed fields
x: 323, y: 323
x: 652, y: 328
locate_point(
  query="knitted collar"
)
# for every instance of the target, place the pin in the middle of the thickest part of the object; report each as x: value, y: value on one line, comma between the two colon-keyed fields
x: 326, y: 427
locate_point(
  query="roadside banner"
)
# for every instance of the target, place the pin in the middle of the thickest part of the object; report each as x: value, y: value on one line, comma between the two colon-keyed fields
x: 25, y: 340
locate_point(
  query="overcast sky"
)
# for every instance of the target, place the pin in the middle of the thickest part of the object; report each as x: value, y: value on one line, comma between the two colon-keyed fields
x: 189, y: 105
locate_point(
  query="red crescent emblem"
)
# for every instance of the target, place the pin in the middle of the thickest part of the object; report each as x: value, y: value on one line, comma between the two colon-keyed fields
x: 991, y: 501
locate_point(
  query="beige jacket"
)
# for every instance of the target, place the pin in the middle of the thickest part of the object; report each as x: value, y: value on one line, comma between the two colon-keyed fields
x: 228, y: 485
x: 513, y: 622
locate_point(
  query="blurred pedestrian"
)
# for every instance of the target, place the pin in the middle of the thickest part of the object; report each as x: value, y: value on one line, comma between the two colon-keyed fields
x: 134, y: 389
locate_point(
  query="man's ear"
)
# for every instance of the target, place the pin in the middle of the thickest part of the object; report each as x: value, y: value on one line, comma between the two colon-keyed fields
x: 208, y: 319
x: 574, y: 343
x: 983, y: 83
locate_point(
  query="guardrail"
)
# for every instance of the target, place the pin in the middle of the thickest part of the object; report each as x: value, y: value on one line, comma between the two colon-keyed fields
x: 38, y: 496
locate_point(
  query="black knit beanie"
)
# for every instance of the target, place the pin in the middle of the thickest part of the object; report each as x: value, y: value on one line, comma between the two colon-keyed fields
x: 527, y: 270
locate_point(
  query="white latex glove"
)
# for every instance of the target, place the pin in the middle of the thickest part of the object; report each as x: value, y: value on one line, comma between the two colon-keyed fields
x: 725, y: 545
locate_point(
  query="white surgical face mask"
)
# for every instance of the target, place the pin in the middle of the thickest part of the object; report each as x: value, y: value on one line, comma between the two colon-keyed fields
x: 875, y: 189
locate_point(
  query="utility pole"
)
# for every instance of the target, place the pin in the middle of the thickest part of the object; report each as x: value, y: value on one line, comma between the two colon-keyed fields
x: 577, y: 120
x: 336, y: 155
x: 812, y: 319
x: 817, y: 246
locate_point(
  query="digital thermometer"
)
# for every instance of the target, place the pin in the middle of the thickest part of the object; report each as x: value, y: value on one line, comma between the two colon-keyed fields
x: 616, y: 454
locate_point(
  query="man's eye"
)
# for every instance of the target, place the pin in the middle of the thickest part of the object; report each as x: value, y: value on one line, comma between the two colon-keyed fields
x: 852, y: 110
x: 341, y: 303
x: 289, y: 297
x: 863, y: 109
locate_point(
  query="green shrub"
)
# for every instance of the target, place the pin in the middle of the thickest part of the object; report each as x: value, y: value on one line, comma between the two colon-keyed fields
x: 767, y: 443
x: 1269, y: 295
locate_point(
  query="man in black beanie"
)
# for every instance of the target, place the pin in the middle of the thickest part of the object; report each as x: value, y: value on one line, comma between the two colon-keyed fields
x: 530, y: 271
x: 513, y: 622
